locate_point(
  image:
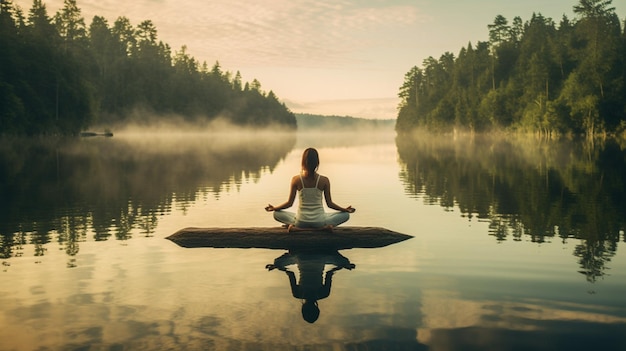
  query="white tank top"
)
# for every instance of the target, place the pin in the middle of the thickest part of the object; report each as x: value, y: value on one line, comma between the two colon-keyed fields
x: 311, y: 209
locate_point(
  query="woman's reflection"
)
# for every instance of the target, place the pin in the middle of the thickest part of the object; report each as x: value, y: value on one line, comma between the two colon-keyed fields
x: 315, y: 280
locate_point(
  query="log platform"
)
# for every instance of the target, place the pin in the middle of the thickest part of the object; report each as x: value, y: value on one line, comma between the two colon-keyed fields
x: 278, y: 238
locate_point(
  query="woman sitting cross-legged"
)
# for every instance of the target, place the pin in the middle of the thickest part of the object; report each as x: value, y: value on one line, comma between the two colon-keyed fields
x: 311, y: 186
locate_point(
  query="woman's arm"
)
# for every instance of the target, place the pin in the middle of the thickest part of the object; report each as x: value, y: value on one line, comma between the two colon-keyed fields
x: 329, y: 200
x: 292, y: 196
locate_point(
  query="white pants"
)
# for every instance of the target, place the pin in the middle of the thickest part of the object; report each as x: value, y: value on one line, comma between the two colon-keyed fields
x: 333, y: 218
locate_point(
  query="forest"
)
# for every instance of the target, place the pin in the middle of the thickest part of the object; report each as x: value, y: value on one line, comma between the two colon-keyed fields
x: 530, y: 77
x: 59, y: 76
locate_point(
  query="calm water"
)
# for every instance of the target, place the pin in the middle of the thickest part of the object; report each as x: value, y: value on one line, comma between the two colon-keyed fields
x: 518, y: 244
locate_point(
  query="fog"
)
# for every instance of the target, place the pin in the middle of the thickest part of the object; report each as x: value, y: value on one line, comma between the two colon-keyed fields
x: 138, y: 123
x: 175, y: 133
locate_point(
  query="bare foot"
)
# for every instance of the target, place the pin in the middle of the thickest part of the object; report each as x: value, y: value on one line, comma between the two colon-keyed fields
x: 290, y: 228
x: 328, y: 228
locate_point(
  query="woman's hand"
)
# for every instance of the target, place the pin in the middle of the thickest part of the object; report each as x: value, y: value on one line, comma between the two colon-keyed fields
x: 269, y: 208
x: 350, y: 209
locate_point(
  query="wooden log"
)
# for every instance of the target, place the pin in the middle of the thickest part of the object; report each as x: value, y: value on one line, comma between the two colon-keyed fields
x: 278, y: 238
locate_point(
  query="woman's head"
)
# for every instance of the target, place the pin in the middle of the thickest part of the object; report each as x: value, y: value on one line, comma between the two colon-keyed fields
x: 310, y: 311
x: 310, y: 161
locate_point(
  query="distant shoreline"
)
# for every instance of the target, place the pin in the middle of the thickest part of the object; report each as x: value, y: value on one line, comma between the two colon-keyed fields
x: 308, y: 122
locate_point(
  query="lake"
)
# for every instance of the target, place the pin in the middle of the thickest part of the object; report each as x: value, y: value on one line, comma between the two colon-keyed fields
x: 517, y: 244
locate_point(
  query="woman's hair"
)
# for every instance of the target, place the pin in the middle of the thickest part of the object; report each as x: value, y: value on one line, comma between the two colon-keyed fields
x: 310, y: 161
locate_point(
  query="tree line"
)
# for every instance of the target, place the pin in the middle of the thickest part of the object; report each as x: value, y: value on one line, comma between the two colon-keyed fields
x: 307, y: 121
x: 531, y: 76
x: 60, y: 76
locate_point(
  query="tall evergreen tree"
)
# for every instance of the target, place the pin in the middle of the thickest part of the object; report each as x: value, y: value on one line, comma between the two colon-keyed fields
x: 70, y: 23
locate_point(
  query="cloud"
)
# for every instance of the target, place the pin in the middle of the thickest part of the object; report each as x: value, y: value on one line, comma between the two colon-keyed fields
x: 295, y: 33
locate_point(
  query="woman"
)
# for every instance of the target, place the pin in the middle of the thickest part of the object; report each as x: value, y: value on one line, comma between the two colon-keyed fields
x: 311, y: 186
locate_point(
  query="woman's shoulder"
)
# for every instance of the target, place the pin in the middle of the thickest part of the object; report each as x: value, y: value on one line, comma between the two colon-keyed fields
x: 295, y: 178
x: 323, y: 180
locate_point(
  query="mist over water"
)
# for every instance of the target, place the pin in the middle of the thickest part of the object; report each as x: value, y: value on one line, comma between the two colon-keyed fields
x: 139, y: 123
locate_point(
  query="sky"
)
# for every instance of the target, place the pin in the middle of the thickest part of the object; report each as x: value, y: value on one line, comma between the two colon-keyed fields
x: 330, y: 57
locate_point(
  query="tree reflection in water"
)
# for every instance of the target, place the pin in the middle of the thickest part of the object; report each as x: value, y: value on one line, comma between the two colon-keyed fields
x: 315, y: 279
x: 526, y: 187
x: 60, y: 189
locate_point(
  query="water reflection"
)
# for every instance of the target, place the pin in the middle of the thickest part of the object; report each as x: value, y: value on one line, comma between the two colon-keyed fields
x: 315, y: 279
x: 62, y: 190
x: 525, y: 187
